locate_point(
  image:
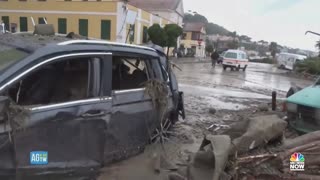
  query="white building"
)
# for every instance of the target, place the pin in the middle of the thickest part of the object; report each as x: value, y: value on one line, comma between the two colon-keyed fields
x: 169, y: 9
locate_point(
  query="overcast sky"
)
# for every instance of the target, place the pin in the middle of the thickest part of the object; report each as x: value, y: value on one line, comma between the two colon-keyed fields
x: 283, y: 21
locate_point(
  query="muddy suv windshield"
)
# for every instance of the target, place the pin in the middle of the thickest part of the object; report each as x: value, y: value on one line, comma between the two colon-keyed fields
x: 10, y: 55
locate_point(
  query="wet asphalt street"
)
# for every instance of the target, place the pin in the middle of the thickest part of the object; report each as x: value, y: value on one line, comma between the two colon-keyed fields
x: 258, y: 81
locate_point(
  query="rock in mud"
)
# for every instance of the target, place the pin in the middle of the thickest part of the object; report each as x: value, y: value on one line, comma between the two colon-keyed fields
x: 263, y: 108
x: 260, y: 130
x: 44, y: 29
x: 175, y: 176
x: 212, y: 110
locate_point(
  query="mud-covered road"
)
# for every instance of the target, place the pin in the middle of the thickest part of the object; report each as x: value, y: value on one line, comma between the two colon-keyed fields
x: 233, y: 96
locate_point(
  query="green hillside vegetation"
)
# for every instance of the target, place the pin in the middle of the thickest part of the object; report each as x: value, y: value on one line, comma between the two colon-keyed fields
x: 211, y: 28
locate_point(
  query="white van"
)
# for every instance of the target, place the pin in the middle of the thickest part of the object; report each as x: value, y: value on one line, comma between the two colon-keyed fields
x: 235, y: 59
x: 288, y: 60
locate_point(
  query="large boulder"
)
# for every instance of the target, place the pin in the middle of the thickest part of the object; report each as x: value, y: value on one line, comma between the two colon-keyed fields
x: 260, y: 131
x: 44, y: 29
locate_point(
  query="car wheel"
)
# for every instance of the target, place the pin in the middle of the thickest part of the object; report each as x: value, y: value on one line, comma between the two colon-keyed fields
x: 224, y: 67
x: 238, y: 68
x: 245, y: 67
x: 162, y: 132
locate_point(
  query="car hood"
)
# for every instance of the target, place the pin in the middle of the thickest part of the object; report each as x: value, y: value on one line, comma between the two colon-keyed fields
x: 309, y: 96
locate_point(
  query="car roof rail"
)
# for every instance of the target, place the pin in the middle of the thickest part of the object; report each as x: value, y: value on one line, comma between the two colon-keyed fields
x: 101, y: 42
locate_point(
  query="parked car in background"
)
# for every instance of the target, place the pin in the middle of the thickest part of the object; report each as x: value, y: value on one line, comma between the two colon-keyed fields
x: 82, y: 104
x: 235, y: 59
x: 288, y: 60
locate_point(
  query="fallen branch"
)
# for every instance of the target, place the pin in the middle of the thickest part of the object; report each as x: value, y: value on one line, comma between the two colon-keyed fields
x: 301, y: 140
x: 263, y: 160
x: 243, y: 159
x: 307, y: 177
x: 287, y: 153
x: 175, y: 66
x: 313, y: 161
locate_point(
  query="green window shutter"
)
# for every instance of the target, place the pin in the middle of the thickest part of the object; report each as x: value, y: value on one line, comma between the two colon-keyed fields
x: 133, y: 27
x: 83, y: 27
x: 105, y: 29
x: 41, y: 20
x: 62, y: 26
x: 23, y: 24
x: 6, y: 22
x: 145, y: 34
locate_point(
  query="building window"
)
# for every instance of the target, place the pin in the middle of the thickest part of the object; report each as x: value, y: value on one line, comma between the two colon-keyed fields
x: 83, y: 27
x: 145, y: 34
x: 23, y: 24
x: 62, y: 25
x: 195, y: 36
x: 132, y: 32
x: 184, y: 36
x: 42, y: 20
x: 105, y: 29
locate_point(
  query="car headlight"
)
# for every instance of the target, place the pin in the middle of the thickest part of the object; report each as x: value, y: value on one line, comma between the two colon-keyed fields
x: 292, y: 107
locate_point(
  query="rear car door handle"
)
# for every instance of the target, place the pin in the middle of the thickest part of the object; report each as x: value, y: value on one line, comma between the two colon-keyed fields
x: 95, y: 113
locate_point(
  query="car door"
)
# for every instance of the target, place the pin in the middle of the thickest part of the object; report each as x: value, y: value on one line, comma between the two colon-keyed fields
x: 133, y: 116
x: 69, y: 133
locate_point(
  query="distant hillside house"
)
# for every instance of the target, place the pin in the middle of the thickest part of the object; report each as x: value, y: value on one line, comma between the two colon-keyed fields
x: 221, y: 42
x: 101, y: 19
x: 193, y: 38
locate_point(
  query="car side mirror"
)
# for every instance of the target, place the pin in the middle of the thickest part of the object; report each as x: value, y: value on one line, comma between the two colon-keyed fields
x: 4, y: 105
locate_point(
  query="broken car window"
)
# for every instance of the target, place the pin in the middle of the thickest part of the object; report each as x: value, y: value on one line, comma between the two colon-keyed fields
x: 57, y: 82
x: 128, y: 73
x: 9, y: 56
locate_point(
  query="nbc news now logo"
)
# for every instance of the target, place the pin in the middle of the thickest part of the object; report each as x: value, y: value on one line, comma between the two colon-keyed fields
x: 297, y: 162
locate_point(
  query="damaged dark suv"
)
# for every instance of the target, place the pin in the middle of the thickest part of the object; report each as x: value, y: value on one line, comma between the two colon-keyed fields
x: 82, y: 104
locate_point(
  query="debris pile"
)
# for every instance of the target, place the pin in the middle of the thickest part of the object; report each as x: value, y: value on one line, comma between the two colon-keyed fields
x: 255, y: 148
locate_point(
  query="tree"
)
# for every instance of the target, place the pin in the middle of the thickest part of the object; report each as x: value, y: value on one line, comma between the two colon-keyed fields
x: 157, y: 35
x: 172, y: 31
x: 234, y: 44
x: 233, y: 34
x: 165, y: 37
x: 318, y: 46
x: 198, y: 18
x: 273, y: 48
x: 209, y: 48
x: 212, y: 28
x: 245, y: 38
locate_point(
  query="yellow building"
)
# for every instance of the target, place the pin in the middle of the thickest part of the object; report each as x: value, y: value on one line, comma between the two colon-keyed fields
x: 193, y: 39
x: 101, y: 19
